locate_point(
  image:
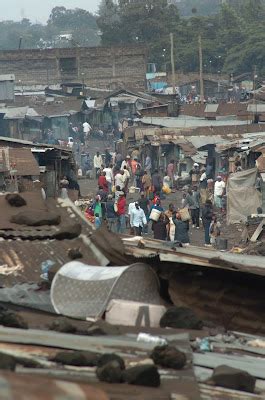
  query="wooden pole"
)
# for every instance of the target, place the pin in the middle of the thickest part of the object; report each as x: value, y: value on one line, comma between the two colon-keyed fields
x: 201, y: 70
x: 173, y: 63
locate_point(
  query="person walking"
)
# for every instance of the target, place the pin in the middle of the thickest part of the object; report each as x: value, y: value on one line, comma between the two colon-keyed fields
x: 126, y: 178
x: 182, y: 230
x: 148, y: 164
x: 126, y: 163
x: 111, y: 215
x: 160, y: 227
x: 144, y: 205
x: 170, y: 172
x: 195, y: 174
x: 207, y: 216
x: 215, y: 230
x: 156, y: 182
x: 97, y: 209
x: 97, y: 163
x: 102, y: 181
x: 108, y: 157
x: 203, y: 186
x: 195, y: 208
x: 219, y: 189
x: 137, y: 219
x: 121, y: 211
x: 109, y: 176
x: 138, y: 176
x: 146, y: 183
x: 120, y: 179
x: 171, y: 226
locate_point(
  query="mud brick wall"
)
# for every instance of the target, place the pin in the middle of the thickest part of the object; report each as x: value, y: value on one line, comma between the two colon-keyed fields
x: 103, y: 67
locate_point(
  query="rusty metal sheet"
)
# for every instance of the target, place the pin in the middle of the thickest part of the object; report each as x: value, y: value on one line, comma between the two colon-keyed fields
x: 24, y: 161
x: 20, y: 261
x: 193, y: 255
x: 174, y: 383
x: 14, y: 386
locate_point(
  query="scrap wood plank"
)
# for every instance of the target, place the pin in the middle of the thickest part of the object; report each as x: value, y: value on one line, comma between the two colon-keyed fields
x: 258, y: 231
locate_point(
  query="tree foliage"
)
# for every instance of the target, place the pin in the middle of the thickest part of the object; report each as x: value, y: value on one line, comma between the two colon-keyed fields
x: 79, y: 23
x: 232, y: 37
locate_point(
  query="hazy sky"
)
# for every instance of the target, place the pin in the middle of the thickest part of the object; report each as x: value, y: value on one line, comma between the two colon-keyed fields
x: 39, y: 10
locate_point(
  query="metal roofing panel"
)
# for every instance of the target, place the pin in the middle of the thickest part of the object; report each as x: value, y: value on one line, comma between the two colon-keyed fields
x: 200, y: 141
x: 260, y: 108
x: 25, y: 162
x: 18, y: 112
x: 174, y: 383
x: 20, y: 261
x: 194, y: 256
x: 211, y: 108
x: 191, y: 122
x: 16, y: 386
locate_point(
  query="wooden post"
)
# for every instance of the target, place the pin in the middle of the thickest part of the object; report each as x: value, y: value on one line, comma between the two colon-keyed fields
x: 173, y: 63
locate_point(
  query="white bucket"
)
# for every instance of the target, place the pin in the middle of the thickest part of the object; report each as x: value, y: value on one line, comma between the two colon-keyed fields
x: 155, y: 214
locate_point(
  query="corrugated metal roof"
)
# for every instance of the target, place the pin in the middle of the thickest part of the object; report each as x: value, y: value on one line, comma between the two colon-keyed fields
x: 260, y: 108
x: 211, y: 108
x: 24, y: 161
x: 174, y: 383
x: 191, y: 122
x: 199, y: 256
x: 17, y: 386
x: 20, y: 261
x: 18, y: 112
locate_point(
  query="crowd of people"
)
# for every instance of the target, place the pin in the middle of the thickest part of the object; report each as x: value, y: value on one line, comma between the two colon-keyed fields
x: 118, y: 177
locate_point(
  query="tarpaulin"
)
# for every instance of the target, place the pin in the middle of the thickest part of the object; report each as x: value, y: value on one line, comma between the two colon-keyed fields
x: 242, y: 197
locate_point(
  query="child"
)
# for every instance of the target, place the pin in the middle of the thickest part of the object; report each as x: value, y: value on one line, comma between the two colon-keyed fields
x: 97, y: 221
x: 215, y: 230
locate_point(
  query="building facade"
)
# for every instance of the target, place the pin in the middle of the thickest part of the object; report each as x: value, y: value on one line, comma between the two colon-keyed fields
x: 103, y: 67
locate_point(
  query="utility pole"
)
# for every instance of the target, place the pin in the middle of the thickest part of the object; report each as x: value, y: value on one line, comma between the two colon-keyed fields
x: 173, y: 63
x: 201, y: 70
x: 255, y: 110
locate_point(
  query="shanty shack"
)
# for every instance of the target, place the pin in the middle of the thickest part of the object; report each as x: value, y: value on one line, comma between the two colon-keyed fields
x: 46, y: 163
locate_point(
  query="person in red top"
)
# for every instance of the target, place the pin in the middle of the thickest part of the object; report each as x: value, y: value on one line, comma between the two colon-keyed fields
x: 102, y: 181
x: 121, y: 210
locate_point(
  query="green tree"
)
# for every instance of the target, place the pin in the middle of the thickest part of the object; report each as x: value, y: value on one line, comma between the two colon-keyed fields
x: 80, y: 23
x: 136, y: 21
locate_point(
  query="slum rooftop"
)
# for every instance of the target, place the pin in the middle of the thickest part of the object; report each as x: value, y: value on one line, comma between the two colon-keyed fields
x: 27, y: 250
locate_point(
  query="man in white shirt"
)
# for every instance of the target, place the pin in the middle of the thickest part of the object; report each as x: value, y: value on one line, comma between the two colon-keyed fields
x: 86, y: 128
x: 109, y: 176
x: 126, y: 163
x: 219, y: 188
x: 137, y: 219
x: 97, y: 162
x: 120, y: 179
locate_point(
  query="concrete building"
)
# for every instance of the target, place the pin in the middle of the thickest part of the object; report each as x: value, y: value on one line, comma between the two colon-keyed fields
x: 103, y: 67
